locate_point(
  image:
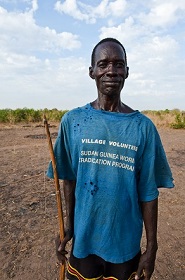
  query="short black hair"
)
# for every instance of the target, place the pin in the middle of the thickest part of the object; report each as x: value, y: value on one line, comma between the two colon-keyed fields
x: 109, y: 39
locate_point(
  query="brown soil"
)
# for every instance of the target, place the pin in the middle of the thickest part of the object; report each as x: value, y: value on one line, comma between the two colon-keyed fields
x: 29, y: 221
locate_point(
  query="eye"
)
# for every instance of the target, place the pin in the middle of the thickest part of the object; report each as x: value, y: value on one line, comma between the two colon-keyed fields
x: 120, y: 64
x: 102, y: 65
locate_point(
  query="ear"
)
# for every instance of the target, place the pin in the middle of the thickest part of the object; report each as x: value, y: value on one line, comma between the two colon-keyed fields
x: 91, y: 72
x: 127, y: 72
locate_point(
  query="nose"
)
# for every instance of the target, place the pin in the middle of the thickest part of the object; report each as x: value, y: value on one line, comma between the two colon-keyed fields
x: 111, y: 69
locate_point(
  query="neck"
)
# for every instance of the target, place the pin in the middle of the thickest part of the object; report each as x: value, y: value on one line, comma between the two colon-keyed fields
x: 110, y: 105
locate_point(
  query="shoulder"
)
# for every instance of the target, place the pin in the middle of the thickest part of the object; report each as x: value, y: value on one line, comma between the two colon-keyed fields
x: 147, y: 127
x: 146, y: 122
x: 76, y: 112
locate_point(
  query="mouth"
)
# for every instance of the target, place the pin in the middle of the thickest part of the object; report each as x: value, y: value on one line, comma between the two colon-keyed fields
x: 111, y: 83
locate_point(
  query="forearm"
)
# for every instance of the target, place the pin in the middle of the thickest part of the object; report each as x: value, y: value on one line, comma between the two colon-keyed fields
x: 150, y: 216
x: 69, y: 194
x: 147, y: 260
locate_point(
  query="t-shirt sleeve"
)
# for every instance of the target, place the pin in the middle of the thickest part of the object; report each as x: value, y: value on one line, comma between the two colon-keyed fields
x: 62, y: 156
x: 155, y: 171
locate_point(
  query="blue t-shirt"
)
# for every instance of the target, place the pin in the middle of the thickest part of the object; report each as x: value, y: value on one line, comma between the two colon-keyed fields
x: 117, y: 161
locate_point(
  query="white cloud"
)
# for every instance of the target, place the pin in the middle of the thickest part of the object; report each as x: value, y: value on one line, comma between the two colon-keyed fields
x: 20, y: 33
x: 27, y: 72
x: 152, y: 58
x: 109, y: 9
x: 59, y: 83
x: 126, y: 32
x: 34, y: 74
x: 34, y: 4
x: 163, y: 46
x: 165, y: 13
x: 153, y: 12
x: 117, y: 8
x: 89, y: 13
x: 15, y: 1
x: 70, y: 7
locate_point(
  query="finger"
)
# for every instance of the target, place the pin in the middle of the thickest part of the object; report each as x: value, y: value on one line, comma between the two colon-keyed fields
x: 63, y: 243
x: 137, y: 277
x: 146, y: 275
x: 62, y: 259
x: 139, y: 273
x: 57, y: 241
x: 62, y: 252
x: 61, y: 256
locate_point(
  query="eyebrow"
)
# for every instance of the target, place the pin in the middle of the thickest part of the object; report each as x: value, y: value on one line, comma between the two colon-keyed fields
x: 107, y: 60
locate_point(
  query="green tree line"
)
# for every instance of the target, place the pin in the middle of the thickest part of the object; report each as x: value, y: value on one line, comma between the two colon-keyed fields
x: 26, y: 115
x: 29, y: 115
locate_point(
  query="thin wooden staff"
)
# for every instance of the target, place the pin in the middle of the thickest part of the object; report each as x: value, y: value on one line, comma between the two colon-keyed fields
x: 58, y: 194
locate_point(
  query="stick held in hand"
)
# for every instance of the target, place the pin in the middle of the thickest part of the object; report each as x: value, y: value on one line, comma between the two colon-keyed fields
x: 58, y: 194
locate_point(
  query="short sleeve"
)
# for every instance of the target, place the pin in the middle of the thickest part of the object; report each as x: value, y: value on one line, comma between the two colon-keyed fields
x: 62, y: 156
x: 155, y: 171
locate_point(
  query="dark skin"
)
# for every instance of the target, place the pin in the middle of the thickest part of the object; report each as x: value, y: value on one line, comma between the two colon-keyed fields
x: 110, y: 72
x: 69, y: 194
x: 147, y: 260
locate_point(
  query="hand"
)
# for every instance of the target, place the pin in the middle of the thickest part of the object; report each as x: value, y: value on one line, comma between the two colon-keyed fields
x: 60, y: 246
x: 146, y: 265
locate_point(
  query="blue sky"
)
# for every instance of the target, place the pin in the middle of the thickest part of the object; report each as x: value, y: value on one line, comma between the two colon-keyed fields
x: 45, y: 49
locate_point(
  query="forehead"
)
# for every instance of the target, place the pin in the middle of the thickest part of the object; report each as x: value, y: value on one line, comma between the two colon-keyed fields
x: 109, y: 51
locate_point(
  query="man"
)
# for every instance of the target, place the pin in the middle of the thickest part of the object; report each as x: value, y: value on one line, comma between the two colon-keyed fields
x: 112, y: 162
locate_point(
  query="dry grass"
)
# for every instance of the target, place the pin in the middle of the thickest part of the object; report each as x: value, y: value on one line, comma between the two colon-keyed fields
x: 161, y: 120
x: 167, y: 118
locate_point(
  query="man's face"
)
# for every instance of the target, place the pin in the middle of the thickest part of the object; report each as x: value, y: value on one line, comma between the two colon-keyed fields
x: 109, y: 69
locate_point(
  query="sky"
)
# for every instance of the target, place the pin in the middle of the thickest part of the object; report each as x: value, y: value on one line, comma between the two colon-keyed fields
x: 45, y: 50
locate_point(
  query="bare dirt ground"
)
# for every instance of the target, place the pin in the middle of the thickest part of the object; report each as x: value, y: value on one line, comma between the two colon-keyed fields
x: 29, y: 224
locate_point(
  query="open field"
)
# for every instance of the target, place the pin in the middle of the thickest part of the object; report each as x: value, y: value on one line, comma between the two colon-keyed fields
x: 29, y: 215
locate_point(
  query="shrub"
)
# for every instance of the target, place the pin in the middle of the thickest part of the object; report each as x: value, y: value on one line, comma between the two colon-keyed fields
x: 29, y: 115
x: 179, y: 121
x: 4, y: 115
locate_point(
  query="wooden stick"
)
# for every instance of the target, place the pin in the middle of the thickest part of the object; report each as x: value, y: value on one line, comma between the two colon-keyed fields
x: 58, y: 194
